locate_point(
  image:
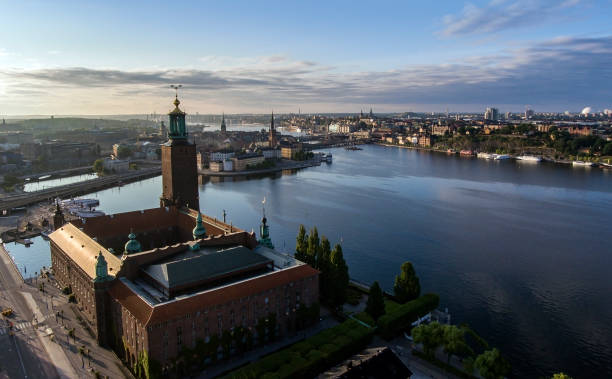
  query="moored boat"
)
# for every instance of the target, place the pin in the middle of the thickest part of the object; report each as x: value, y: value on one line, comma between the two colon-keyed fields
x: 529, y: 158
x: 501, y: 157
x: 466, y: 153
x: 485, y: 155
x: 583, y: 164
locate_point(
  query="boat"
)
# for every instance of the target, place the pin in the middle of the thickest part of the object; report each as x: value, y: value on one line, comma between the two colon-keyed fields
x: 27, y: 242
x: 81, y: 203
x: 485, y: 155
x: 501, y: 157
x: 88, y: 213
x: 583, y: 164
x: 529, y: 158
x: 468, y: 153
x: 451, y: 151
x: 352, y: 147
x: 328, y: 158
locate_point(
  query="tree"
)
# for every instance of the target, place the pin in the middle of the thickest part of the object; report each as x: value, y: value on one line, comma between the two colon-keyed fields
x: 607, y: 149
x: 454, y: 341
x: 324, y: 265
x: 407, y: 286
x: 561, y: 375
x: 430, y: 335
x: 339, y: 276
x: 492, y: 365
x: 313, y: 247
x: 301, y: 245
x: 123, y: 152
x: 375, y: 306
x: 98, y: 165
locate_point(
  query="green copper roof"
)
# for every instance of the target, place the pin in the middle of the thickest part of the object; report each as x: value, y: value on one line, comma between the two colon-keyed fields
x: 199, y: 231
x: 132, y: 246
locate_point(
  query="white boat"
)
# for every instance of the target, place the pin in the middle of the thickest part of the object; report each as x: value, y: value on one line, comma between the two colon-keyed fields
x: 529, y: 158
x: 583, y: 164
x: 485, y: 155
x: 500, y: 157
x: 81, y: 203
x: 328, y: 158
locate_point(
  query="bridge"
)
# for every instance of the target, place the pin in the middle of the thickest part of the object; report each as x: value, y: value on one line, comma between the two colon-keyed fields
x: 75, y: 189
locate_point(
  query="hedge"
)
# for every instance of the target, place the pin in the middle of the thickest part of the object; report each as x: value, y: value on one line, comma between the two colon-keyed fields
x: 399, y: 318
x: 308, y: 358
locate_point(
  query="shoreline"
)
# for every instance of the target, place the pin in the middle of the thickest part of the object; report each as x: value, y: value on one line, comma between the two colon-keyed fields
x: 280, y: 167
x: 513, y: 157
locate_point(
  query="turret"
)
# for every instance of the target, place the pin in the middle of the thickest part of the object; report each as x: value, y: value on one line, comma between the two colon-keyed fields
x: 178, y: 130
x: 132, y: 246
x: 199, y: 231
x: 101, y: 268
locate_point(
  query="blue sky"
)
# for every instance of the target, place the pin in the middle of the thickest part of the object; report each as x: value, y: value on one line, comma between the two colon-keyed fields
x: 85, y: 57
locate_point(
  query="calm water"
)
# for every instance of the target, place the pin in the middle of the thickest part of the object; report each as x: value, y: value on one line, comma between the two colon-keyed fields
x: 30, y: 259
x: 519, y: 251
x: 37, y: 186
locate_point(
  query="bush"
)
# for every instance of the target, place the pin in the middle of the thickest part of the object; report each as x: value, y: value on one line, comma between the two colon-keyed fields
x: 366, y: 318
x: 399, y: 318
x: 311, y: 356
x: 71, y: 298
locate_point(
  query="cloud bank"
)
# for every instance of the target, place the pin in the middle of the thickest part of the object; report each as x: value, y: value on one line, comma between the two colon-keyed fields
x: 565, y: 73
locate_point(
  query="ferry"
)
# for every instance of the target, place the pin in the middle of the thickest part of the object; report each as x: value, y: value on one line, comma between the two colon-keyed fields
x: 583, y: 164
x: 529, y: 158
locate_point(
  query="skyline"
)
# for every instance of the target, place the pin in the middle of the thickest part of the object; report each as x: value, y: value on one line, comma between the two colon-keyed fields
x: 344, y: 57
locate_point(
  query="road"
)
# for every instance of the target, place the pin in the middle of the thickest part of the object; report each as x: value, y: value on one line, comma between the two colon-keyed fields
x: 23, y: 355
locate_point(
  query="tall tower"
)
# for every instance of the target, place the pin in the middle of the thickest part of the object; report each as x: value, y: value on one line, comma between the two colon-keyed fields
x: 272, y: 137
x: 223, y: 127
x: 179, y: 168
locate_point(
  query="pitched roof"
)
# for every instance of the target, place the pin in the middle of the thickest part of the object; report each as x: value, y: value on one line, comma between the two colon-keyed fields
x: 83, y: 250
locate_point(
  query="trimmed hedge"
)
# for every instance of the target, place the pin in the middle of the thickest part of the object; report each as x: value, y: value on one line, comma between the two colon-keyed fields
x: 308, y: 358
x: 399, y: 318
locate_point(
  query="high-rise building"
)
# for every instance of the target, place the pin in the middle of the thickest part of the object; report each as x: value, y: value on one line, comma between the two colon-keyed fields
x: 491, y: 114
x: 179, y: 167
x: 529, y: 113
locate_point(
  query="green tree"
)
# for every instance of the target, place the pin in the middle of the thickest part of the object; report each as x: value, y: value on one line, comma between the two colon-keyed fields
x: 301, y: 245
x: 124, y: 152
x: 607, y: 149
x: 313, y: 247
x: 407, y: 286
x: 339, y: 276
x: 454, y: 341
x: 375, y: 306
x: 491, y: 364
x: 430, y: 335
x: 324, y: 265
x: 561, y: 375
x: 98, y: 165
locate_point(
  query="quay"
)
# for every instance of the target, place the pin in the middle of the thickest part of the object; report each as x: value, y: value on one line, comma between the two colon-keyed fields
x: 75, y: 189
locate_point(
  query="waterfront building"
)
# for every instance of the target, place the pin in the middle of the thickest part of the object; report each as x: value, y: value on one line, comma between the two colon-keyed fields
x: 242, y: 162
x: 424, y: 140
x: 270, y: 153
x: 150, y: 283
x: 216, y: 166
x: 221, y: 155
x: 116, y: 165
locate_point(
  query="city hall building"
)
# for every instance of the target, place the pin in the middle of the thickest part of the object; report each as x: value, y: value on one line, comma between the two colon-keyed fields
x: 157, y: 280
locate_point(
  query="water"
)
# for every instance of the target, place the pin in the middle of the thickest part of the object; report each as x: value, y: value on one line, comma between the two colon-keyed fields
x: 37, y: 186
x: 30, y: 260
x: 519, y: 251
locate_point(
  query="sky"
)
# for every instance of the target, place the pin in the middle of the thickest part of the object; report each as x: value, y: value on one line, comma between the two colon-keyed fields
x: 120, y: 57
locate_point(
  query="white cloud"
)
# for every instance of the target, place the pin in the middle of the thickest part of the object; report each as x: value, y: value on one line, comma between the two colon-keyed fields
x: 500, y: 15
x: 557, y: 74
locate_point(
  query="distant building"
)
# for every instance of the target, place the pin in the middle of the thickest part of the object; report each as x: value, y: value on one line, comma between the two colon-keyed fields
x: 216, y: 166
x: 242, y: 162
x: 223, y: 127
x: 287, y: 152
x: 580, y: 130
x: 271, y: 153
x: 116, y: 165
x: 529, y: 113
x: 491, y: 114
x: 272, y: 140
x: 425, y: 140
x: 440, y: 130
x: 221, y: 155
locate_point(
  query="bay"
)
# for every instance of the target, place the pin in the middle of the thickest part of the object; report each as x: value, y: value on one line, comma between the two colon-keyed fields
x: 519, y: 251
